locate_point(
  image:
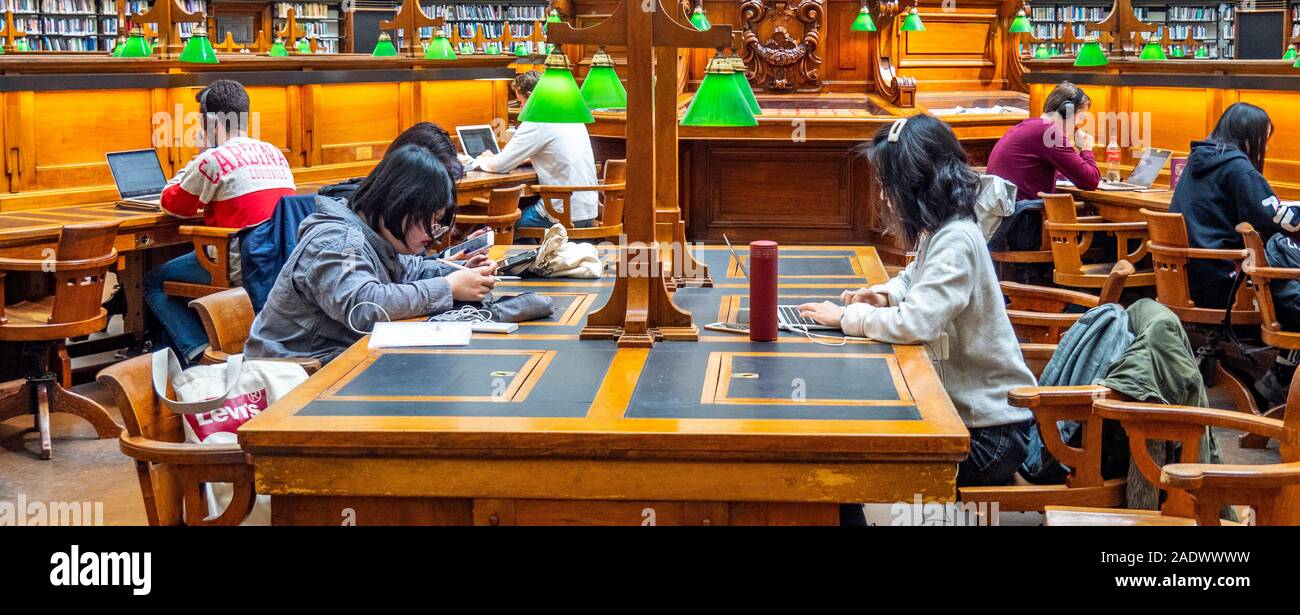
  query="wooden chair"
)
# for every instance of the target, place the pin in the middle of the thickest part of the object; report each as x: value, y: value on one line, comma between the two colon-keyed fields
x: 212, y: 247
x: 81, y: 260
x: 1170, y: 253
x: 1084, y: 485
x: 171, y: 471
x: 609, y: 222
x: 227, y: 318
x: 501, y: 212
x: 1195, y: 492
x: 1072, y: 235
x: 1036, y: 313
x: 1007, y: 261
x: 1261, y: 276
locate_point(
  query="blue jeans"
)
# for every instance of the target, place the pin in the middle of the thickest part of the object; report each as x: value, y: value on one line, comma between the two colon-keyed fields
x: 182, y: 326
x: 995, y: 454
x: 535, y: 217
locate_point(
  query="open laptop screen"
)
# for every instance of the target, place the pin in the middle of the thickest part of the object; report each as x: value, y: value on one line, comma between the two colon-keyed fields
x: 475, y: 140
x: 1145, y: 172
x: 138, y: 173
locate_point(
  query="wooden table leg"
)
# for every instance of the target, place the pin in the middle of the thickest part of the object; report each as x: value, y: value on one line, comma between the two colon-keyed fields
x: 131, y: 278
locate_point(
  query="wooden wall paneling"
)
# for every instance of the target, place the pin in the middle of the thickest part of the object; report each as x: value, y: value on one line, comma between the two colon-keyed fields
x: 311, y: 116
x: 1284, y: 148
x: 73, y: 129
x: 20, y: 140
x: 355, y: 118
x: 954, y: 52
x: 295, y: 114
x: 270, y: 111
x: 170, y: 109
x: 10, y: 169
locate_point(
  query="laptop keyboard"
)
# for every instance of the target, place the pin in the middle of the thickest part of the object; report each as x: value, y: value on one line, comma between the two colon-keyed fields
x: 789, y: 315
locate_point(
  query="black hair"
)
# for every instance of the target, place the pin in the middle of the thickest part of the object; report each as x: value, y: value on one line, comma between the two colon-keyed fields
x: 923, y: 174
x: 525, y: 82
x: 1247, y: 128
x: 1065, y: 99
x: 409, y: 187
x: 432, y: 137
x: 223, y: 96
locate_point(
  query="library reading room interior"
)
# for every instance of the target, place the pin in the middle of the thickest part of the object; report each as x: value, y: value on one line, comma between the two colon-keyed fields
x: 672, y: 262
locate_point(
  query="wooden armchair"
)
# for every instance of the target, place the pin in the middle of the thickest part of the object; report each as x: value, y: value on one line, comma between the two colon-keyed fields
x: 1084, y: 486
x: 172, y: 472
x: 1195, y: 492
x: 227, y: 318
x: 1036, y: 313
x: 1170, y: 253
x: 1072, y: 235
x: 501, y: 212
x: 609, y: 222
x: 42, y: 326
x: 1261, y: 276
x: 212, y: 247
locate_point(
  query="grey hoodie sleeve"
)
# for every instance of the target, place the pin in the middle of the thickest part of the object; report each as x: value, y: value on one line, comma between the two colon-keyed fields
x: 933, y: 296
x: 343, y: 277
x: 420, y: 268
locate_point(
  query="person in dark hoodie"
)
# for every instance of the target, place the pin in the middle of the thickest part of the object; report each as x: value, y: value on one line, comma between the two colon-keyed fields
x: 360, y: 261
x: 1222, y: 186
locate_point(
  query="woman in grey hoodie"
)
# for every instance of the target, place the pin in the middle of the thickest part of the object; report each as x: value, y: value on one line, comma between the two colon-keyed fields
x: 948, y: 298
x: 361, y: 261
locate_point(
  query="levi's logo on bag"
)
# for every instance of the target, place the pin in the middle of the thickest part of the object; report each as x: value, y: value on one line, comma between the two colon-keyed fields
x: 235, y: 412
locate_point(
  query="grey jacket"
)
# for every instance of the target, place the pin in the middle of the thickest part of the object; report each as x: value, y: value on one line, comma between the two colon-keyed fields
x: 342, y: 268
x: 949, y: 298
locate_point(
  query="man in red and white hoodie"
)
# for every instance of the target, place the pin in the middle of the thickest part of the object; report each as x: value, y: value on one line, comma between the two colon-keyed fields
x: 236, y: 182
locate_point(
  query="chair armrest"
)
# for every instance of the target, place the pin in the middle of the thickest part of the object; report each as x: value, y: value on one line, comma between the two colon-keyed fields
x: 1096, y: 226
x: 1193, y: 476
x: 52, y: 265
x: 1198, y: 253
x: 1188, y: 415
x: 215, y: 232
x: 181, y: 453
x: 1015, y: 290
x: 1036, y: 398
x: 571, y: 189
x: 1272, y: 272
x: 1042, y: 319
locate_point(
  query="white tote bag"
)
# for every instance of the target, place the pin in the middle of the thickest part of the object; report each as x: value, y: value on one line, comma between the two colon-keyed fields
x: 214, y: 400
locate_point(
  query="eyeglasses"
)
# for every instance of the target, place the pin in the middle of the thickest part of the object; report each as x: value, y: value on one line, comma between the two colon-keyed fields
x: 439, y: 230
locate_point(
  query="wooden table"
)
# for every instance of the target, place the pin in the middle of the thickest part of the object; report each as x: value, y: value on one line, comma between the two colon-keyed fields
x: 538, y: 427
x: 1124, y: 205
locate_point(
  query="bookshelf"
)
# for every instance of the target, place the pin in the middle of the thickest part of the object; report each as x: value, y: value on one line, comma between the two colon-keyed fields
x: 77, y: 25
x: 1212, y: 23
x: 466, y: 18
x: 320, y: 20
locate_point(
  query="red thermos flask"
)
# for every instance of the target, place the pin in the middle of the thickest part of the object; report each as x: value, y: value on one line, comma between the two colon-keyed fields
x: 762, y: 291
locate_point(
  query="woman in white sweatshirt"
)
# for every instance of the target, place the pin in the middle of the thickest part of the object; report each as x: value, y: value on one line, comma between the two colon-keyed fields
x: 948, y: 298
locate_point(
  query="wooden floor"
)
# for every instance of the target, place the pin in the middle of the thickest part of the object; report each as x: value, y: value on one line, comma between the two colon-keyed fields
x: 86, y: 469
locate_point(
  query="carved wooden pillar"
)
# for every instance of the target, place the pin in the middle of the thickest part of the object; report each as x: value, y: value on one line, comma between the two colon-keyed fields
x: 897, y: 89
x: 781, y: 39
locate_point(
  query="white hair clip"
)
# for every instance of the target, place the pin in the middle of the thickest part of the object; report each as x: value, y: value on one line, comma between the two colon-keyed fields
x: 896, y: 130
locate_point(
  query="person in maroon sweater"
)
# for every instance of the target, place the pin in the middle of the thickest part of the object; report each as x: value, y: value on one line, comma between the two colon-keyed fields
x: 1035, y: 150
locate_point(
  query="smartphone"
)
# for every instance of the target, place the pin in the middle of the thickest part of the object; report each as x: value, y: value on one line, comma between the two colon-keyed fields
x: 474, y: 245
x: 728, y: 327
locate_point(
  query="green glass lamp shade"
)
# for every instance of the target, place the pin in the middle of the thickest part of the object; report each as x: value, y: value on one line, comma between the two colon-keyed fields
x: 1090, y: 54
x: 738, y: 74
x: 1297, y: 63
x: 1020, y: 24
x: 556, y: 98
x: 198, y: 50
x: 1290, y: 54
x: 304, y: 46
x: 1202, y: 53
x: 719, y: 101
x: 552, y: 17
x: 277, y: 49
x: 440, y: 48
x: 863, y: 22
x: 1177, y: 52
x: 912, y: 23
x: 521, y: 50
x: 135, y: 46
x: 602, y: 88
x: 119, y: 47
x: 1042, y: 53
x: 1152, y: 51
x: 699, y: 20
x: 467, y: 48
x: 491, y: 49
x: 384, y: 48
x: 22, y: 45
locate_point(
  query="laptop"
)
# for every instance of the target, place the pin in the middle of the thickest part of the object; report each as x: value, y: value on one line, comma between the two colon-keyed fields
x: 1144, y: 174
x: 475, y: 140
x: 787, y: 316
x: 139, y: 178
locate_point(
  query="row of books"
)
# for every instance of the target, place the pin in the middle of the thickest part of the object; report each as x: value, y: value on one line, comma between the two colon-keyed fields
x: 74, y: 7
x: 311, y: 10
x: 487, y: 12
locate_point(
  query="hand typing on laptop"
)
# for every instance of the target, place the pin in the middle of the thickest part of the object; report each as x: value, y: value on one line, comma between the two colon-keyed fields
x: 865, y: 295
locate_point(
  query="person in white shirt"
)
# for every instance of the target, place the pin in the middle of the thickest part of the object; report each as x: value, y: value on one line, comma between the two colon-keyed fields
x: 561, y: 155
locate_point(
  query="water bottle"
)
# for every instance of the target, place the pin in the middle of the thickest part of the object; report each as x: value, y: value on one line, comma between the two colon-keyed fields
x: 1112, y: 160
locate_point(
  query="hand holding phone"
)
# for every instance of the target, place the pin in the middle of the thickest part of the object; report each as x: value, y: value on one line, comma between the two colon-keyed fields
x: 478, y: 241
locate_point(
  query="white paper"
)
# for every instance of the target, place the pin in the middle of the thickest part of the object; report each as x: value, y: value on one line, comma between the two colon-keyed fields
x: 421, y: 333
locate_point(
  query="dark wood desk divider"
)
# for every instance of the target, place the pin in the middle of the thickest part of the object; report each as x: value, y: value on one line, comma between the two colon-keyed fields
x: 641, y: 311
x: 409, y: 19
x: 168, y: 15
